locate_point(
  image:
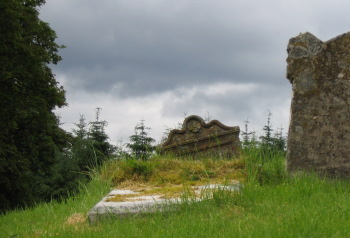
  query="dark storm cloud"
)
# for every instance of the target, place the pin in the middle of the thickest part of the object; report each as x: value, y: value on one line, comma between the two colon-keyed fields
x: 141, y: 48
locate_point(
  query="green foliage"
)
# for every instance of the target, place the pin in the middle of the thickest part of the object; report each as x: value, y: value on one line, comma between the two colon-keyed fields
x: 68, y: 176
x: 30, y: 137
x: 81, y: 132
x: 266, y: 140
x: 246, y: 134
x: 141, y: 144
x: 279, y: 141
x: 99, y: 138
x: 269, y: 141
x: 82, y: 149
x: 89, y: 149
x: 90, y: 143
x: 264, y: 166
x: 136, y: 169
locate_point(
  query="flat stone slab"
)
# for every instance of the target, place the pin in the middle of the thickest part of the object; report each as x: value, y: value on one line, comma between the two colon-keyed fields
x: 134, y: 204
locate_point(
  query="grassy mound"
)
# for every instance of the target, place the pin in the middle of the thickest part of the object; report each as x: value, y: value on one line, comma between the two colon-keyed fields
x: 271, y: 204
x: 170, y: 177
x: 163, y: 171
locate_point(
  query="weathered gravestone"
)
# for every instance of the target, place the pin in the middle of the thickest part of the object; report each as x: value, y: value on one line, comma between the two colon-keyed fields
x: 319, y: 132
x: 131, y: 202
x: 196, y: 136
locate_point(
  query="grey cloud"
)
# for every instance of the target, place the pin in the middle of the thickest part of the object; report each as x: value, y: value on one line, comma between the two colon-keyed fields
x: 138, y: 48
x: 148, y: 49
x: 234, y: 105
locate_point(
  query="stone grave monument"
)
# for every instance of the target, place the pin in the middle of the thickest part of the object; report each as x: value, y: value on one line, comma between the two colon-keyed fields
x: 131, y: 202
x: 319, y: 132
x: 196, y: 136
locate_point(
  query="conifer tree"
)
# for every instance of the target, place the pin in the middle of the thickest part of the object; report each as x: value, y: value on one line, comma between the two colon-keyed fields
x: 274, y: 142
x: 141, y: 144
x: 99, y: 138
x: 82, y: 148
x: 246, y: 134
x: 279, y: 140
x: 81, y: 132
x: 267, y: 140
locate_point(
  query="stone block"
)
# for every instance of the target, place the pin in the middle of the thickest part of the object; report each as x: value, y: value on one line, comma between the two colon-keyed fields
x: 138, y: 204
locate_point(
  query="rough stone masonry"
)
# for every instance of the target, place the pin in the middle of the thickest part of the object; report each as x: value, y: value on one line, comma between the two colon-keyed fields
x: 319, y: 132
x: 198, y: 137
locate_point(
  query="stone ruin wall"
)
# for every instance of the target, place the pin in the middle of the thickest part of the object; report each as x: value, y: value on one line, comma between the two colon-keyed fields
x: 319, y: 132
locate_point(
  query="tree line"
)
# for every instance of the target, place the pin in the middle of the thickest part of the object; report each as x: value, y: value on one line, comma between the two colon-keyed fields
x: 270, y: 140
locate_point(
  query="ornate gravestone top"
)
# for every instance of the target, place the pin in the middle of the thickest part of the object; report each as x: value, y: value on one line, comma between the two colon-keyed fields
x: 319, y: 131
x: 197, y: 136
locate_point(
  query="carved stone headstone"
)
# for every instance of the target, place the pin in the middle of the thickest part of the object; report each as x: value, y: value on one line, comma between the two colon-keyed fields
x: 196, y: 136
x: 319, y: 132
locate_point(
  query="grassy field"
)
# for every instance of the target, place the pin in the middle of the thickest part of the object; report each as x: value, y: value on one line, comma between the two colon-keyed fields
x: 271, y: 203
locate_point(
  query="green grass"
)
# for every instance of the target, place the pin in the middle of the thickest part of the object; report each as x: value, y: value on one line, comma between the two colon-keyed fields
x: 271, y: 204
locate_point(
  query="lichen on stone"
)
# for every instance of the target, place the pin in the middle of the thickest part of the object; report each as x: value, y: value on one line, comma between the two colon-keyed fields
x: 320, y: 109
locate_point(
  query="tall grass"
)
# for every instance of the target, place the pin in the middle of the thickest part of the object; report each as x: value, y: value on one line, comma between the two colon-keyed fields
x: 163, y: 171
x: 271, y: 204
x: 264, y: 165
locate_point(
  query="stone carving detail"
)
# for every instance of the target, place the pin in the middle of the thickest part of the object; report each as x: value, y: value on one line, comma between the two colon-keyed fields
x: 193, y: 125
x: 197, y: 136
x: 319, y: 131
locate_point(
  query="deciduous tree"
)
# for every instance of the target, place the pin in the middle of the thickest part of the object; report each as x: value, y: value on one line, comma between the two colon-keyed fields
x: 30, y: 136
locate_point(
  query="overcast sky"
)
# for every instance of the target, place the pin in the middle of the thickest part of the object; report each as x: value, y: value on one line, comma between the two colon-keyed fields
x: 159, y: 60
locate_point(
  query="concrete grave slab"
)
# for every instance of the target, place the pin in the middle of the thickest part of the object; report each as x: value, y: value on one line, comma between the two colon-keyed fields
x: 134, y: 202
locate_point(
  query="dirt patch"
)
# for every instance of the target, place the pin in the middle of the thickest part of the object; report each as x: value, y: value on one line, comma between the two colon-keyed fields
x: 76, y: 219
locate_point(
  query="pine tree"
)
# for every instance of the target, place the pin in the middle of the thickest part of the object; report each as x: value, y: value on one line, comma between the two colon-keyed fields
x: 267, y: 140
x: 279, y: 140
x: 81, y: 132
x: 97, y: 135
x: 274, y: 142
x: 246, y: 134
x: 82, y: 151
x: 30, y: 137
x: 141, y: 144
